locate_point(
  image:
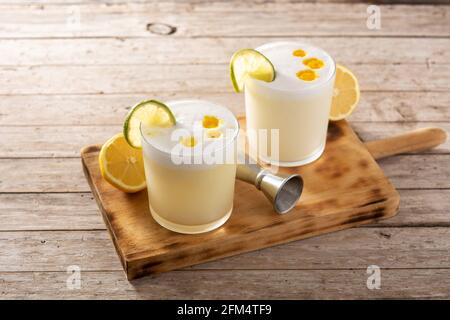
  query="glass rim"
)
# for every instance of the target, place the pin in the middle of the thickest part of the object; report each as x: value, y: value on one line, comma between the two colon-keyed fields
x: 297, y: 90
x: 222, y: 146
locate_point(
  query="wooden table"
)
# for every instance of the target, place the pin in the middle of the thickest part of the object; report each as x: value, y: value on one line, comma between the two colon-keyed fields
x: 65, y: 84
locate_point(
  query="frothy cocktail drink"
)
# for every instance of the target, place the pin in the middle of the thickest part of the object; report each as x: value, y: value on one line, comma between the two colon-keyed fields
x: 191, y: 167
x: 297, y: 103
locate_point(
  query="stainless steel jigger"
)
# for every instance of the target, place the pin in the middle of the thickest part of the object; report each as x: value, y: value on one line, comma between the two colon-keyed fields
x: 282, y: 190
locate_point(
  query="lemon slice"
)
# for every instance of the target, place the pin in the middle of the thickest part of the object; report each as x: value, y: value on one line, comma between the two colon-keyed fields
x: 150, y: 112
x: 121, y: 165
x: 345, y: 95
x: 250, y: 63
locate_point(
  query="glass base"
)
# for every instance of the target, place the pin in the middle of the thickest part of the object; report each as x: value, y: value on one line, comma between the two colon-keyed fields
x: 314, y: 156
x: 180, y: 228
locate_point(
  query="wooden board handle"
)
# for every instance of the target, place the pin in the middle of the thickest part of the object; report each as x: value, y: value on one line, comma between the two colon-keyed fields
x: 417, y: 140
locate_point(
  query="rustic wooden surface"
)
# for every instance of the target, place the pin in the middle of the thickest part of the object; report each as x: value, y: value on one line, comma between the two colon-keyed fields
x: 63, y: 87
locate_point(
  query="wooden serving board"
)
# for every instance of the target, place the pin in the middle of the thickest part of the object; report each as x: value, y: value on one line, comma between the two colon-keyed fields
x: 342, y: 189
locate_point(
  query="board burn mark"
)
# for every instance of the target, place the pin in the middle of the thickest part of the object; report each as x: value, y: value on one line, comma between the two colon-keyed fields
x: 278, y: 223
x: 363, y: 163
x: 363, y: 217
x: 376, y: 192
x: 174, y: 245
x: 327, y: 168
x: 373, y: 202
x: 151, y: 265
x: 334, y: 131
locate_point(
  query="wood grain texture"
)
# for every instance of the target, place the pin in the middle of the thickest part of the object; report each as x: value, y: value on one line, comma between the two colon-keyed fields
x: 413, y: 172
x: 49, y: 211
x: 217, y: 19
x: 193, y: 78
x: 422, y: 208
x: 357, y: 248
x: 183, y: 51
x: 405, y: 109
x: 253, y: 2
x: 67, y: 141
x: 214, y: 284
x: 337, y: 195
x: 65, y: 174
x: 34, y: 33
x: 412, y: 141
x: 79, y: 211
x: 42, y: 175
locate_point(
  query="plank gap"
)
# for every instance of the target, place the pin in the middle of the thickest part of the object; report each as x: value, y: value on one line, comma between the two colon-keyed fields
x: 354, y: 36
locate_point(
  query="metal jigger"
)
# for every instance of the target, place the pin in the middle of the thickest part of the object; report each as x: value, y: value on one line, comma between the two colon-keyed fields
x: 282, y: 190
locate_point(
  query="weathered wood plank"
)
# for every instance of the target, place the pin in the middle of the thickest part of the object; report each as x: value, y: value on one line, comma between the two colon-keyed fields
x: 360, y: 247
x: 56, y: 141
x: 114, y: 51
x: 353, y: 248
x: 94, y: 110
x: 91, y: 249
x: 421, y: 171
x: 220, y: 19
x: 78, y: 211
x: 67, y: 141
x: 42, y: 175
x: 256, y: 2
x: 214, y: 284
x: 64, y: 211
x: 421, y: 208
x: 280, y: 2
x: 156, y: 79
x: 402, y: 106
x: 66, y: 174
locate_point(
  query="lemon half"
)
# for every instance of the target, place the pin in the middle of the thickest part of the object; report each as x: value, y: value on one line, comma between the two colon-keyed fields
x: 345, y: 95
x: 121, y: 165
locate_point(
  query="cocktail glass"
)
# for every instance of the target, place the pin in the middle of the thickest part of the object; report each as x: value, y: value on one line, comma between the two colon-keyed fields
x: 191, y: 189
x: 297, y: 108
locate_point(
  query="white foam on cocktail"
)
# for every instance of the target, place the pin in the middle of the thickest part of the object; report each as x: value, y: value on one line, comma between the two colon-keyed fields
x: 189, y: 116
x: 287, y: 65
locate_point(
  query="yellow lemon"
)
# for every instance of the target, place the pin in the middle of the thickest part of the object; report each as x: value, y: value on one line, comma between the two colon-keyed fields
x: 345, y: 95
x: 122, y: 165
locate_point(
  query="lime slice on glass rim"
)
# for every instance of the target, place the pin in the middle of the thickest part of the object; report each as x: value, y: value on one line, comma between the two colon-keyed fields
x: 152, y: 113
x: 250, y: 63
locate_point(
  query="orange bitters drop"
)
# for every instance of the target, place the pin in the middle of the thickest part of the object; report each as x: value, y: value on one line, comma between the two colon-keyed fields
x: 313, y: 63
x: 307, y: 75
x: 299, y: 53
x: 214, y: 134
x: 210, y: 122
